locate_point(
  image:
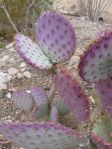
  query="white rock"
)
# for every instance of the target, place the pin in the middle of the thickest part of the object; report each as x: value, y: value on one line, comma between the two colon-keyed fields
x: 19, y: 75
x: 9, y: 78
x: 10, y: 47
x: 3, y: 77
x: 22, y: 69
x: 12, y: 60
x: 28, y: 91
x: 8, y: 95
x: 12, y: 71
x: 5, y: 57
x: 22, y: 65
x: 27, y: 74
x: 3, y: 86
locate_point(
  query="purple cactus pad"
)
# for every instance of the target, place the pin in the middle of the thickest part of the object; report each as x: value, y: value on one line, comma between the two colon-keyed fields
x: 23, y: 100
x: 40, y: 96
x: 96, y: 62
x: 56, y: 36
x: 41, y: 135
x: 74, y: 97
x: 31, y: 52
x: 100, y: 142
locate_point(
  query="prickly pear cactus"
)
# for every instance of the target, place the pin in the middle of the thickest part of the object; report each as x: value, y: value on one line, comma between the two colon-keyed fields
x: 96, y: 62
x: 104, y: 91
x: 41, y: 135
x: 23, y: 100
x: 31, y: 52
x: 62, y: 108
x: 73, y: 96
x: 56, y: 39
x: 56, y: 36
x: 100, y: 142
x: 102, y: 126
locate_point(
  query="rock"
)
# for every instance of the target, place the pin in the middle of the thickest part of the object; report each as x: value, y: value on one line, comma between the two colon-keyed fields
x: 3, y: 77
x: 10, y: 47
x: 22, y: 69
x: 22, y: 65
x: 19, y: 75
x: 12, y: 71
x: 2, y: 94
x: 27, y: 74
x: 28, y: 91
x: 9, y: 95
x: 3, y: 86
x: 9, y: 78
x: 5, y: 57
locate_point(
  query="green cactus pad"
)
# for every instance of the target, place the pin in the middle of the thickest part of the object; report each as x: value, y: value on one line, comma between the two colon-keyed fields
x: 54, y: 115
x: 41, y: 135
x: 23, y: 100
x: 31, y: 52
x: 41, y: 102
x: 104, y: 91
x: 40, y: 96
x: 100, y: 142
x: 61, y: 107
x: 41, y: 112
x: 96, y: 62
x: 56, y: 36
x: 103, y: 127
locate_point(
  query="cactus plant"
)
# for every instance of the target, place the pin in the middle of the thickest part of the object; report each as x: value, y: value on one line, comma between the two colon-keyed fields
x: 104, y: 91
x: 57, y: 42
x: 31, y: 52
x: 94, y: 67
x: 23, y: 100
x: 96, y: 62
x: 41, y: 135
x: 56, y: 37
x: 70, y: 90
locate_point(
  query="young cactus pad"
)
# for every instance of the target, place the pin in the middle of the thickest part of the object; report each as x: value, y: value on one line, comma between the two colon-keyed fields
x: 72, y: 94
x: 31, y: 52
x: 41, y: 135
x: 100, y: 142
x: 56, y: 36
x: 104, y: 91
x: 96, y: 63
x: 23, y: 100
x: 61, y: 107
x: 54, y: 115
x: 40, y: 96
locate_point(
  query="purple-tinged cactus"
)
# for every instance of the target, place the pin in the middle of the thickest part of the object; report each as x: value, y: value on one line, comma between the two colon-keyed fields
x: 100, y: 142
x: 23, y: 100
x: 31, y: 52
x: 40, y: 96
x: 72, y: 94
x: 41, y: 103
x: 56, y: 36
x: 96, y: 63
x: 54, y: 115
x: 41, y: 135
x: 104, y: 91
x: 102, y: 126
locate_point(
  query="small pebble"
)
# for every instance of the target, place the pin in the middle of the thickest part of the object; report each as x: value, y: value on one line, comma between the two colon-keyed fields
x: 27, y: 74
x: 12, y: 71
